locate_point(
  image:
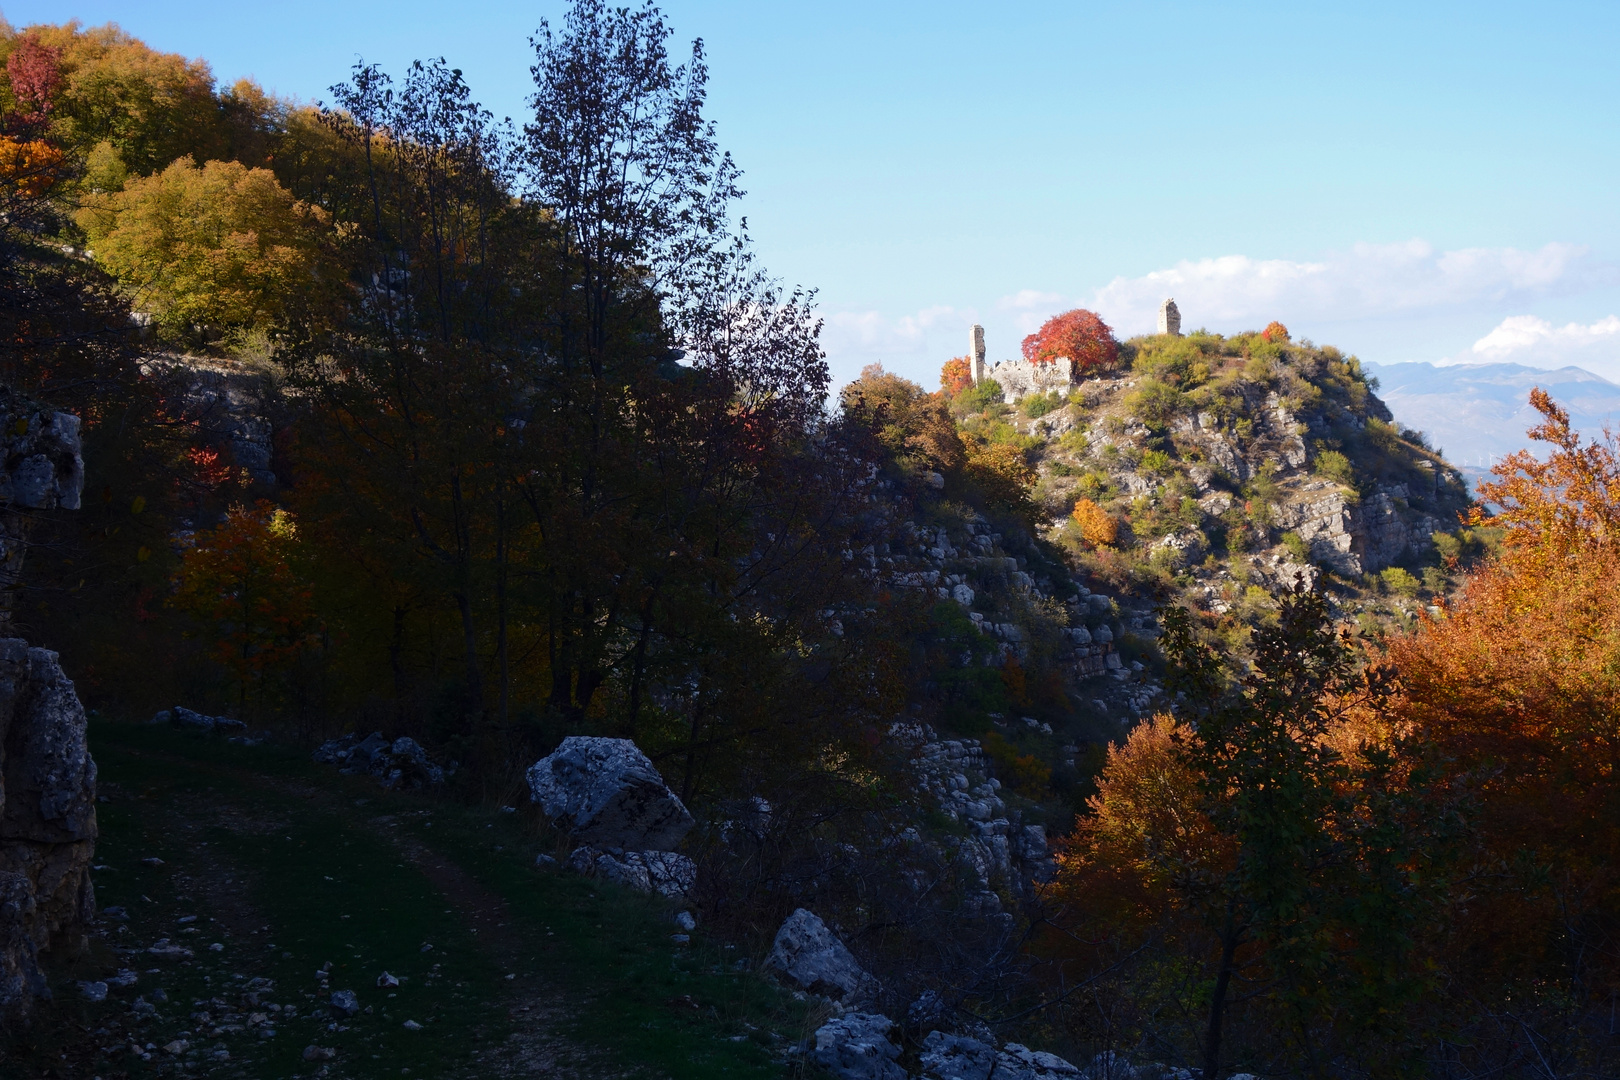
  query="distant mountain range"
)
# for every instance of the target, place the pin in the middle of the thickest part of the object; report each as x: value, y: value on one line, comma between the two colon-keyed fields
x: 1478, y: 413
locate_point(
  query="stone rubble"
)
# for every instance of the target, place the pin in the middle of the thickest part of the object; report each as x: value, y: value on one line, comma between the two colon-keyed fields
x: 400, y: 764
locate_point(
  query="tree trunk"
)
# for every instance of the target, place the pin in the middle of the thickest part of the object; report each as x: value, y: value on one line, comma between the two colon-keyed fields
x: 1217, y: 1001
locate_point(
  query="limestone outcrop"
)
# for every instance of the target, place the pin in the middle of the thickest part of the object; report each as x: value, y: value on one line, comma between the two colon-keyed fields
x: 47, y: 777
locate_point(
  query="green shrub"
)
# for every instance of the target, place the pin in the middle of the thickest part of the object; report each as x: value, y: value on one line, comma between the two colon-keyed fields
x: 1297, y: 547
x: 1335, y: 466
x: 1156, y: 463
x: 1156, y: 402
x: 979, y: 398
x: 1034, y: 405
x: 1399, y: 581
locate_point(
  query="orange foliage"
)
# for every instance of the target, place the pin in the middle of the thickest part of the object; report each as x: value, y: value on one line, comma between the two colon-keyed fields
x: 32, y: 168
x: 240, y: 581
x: 1519, y: 686
x: 1145, y: 830
x: 1097, y: 526
x: 956, y: 376
x: 1080, y: 335
x: 1275, y: 332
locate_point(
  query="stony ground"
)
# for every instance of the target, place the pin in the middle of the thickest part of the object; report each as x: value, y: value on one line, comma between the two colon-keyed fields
x: 242, y: 887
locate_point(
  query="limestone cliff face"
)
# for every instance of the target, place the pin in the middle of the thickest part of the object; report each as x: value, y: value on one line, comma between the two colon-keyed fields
x: 1354, y: 536
x: 47, y: 777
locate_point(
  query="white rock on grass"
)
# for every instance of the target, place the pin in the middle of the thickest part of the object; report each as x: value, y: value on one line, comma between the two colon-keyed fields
x: 606, y: 793
x: 856, y: 1046
x: 956, y: 1057
x: 811, y: 956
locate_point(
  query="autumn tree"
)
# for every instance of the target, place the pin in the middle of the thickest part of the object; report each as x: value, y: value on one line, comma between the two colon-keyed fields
x: 241, y: 584
x: 955, y: 376
x: 1518, y: 685
x: 1278, y: 830
x: 1275, y: 333
x: 216, y: 248
x: 1080, y: 335
x: 1097, y: 526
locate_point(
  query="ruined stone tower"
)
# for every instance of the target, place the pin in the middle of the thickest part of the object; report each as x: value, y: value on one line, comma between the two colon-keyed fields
x: 976, y: 354
x: 1170, y: 318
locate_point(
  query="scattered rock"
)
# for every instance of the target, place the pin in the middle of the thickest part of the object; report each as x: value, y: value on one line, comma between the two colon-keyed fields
x: 164, y: 951
x: 320, y: 1053
x: 344, y: 1003
x: 956, y: 1057
x: 545, y: 862
x: 856, y: 1046
x: 812, y: 957
x: 1017, y: 1062
x: 400, y: 764
x: 411, y: 1025
x: 188, y: 720
x: 177, y: 1047
x: 685, y: 921
x: 386, y: 981
x: 93, y: 991
x: 606, y: 793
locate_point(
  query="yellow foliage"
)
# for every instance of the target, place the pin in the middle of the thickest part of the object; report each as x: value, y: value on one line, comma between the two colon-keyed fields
x: 1097, y: 526
x: 219, y: 245
x: 31, y: 168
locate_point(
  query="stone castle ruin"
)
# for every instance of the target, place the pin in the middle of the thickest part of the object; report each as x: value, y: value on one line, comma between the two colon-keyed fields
x: 1021, y: 377
x: 1169, y: 318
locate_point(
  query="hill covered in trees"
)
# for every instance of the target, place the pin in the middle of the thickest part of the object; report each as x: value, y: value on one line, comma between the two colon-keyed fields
x: 1188, y: 713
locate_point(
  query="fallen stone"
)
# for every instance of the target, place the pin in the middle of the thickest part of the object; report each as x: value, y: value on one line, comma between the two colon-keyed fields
x: 344, y: 1003
x: 123, y: 980
x: 811, y: 956
x: 685, y: 921
x: 664, y: 872
x: 164, y: 951
x: 319, y: 1053
x: 1017, y: 1062
x: 955, y: 1057
x: 195, y: 721
x: 177, y: 1047
x: 386, y: 981
x: 605, y: 792
x: 411, y: 1025
x: 856, y: 1046
x: 93, y: 991
x: 545, y: 862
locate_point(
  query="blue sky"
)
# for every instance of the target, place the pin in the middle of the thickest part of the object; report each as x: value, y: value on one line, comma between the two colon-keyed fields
x: 1409, y: 181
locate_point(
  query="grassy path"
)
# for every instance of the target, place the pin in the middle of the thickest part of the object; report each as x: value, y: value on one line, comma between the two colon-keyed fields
x: 269, y: 869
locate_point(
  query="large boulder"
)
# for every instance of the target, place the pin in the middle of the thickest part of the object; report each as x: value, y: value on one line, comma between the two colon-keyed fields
x: 47, y: 816
x: 811, y: 957
x: 1017, y: 1062
x: 605, y: 793
x: 856, y: 1046
x: 956, y: 1057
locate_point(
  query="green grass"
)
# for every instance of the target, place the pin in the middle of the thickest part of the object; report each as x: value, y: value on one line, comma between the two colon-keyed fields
x: 290, y: 866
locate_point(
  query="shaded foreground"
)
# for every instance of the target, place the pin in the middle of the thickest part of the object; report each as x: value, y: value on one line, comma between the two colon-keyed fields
x: 272, y: 868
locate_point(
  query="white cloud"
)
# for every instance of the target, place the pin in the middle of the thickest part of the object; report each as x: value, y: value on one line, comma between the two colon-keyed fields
x: 872, y: 332
x: 1367, y: 281
x: 1535, y: 342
